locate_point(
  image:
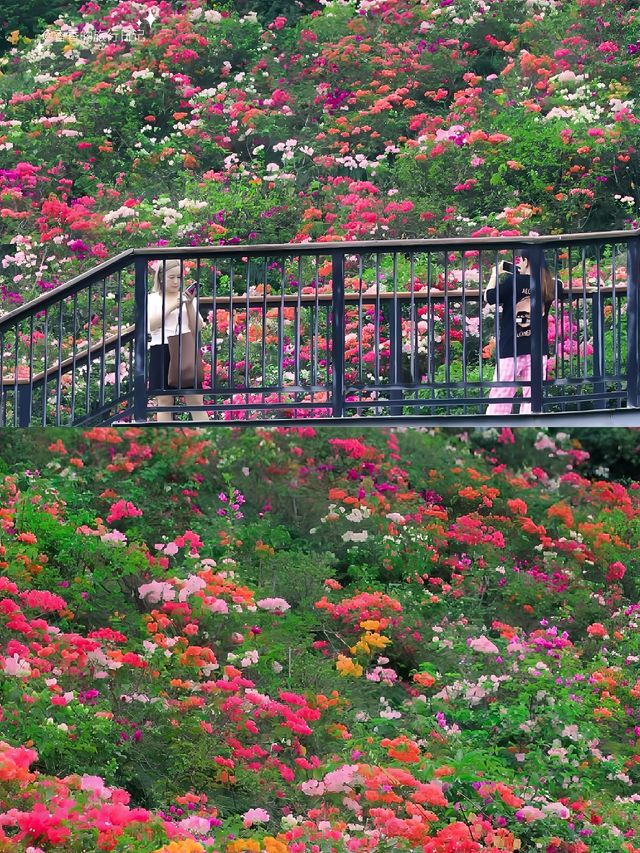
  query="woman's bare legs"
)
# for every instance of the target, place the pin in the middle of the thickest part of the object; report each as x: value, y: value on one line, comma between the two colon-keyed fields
x: 163, y: 417
x: 197, y: 400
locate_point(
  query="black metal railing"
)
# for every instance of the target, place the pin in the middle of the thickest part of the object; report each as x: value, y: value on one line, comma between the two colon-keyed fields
x: 392, y: 331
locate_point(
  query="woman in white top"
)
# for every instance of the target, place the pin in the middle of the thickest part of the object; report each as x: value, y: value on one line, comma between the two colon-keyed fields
x: 161, y: 328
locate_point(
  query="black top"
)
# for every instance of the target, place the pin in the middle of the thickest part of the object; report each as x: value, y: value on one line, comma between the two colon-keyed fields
x: 515, y: 318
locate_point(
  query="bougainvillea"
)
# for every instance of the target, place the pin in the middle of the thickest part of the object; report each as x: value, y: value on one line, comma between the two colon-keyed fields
x: 414, y: 640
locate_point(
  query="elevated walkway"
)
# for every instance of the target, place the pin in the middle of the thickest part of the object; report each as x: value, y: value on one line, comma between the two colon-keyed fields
x: 392, y: 332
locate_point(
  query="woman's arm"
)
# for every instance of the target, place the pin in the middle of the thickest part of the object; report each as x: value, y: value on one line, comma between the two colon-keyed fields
x: 490, y: 290
x: 502, y: 291
x: 154, y: 310
x: 195, y: 319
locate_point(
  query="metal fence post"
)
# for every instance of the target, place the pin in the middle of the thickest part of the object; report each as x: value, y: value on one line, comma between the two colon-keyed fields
x: 597, y: 318
x: 25, y: 394
x: 633, y: 283
x: 395, y: 355
x: 140, y: 411
x: 337, y: 331
x: 537, y: 308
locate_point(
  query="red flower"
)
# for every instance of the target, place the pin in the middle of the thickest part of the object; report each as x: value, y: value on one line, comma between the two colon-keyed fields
x: 616, y: 572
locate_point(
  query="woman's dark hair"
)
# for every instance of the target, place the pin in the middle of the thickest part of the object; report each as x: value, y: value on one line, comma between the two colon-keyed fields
x: 548, y: 290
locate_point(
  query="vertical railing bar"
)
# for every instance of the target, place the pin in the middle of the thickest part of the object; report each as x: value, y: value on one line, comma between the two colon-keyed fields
x: 45, y: 383
x: 103, y: 353
x: 585, y: 321
x: 413, y: 323
x: 230, y: 325
x: 615, y: 325
x: 431, y: 351
x: 496, y: 327
x: 557, y: 303
x: 214, y: 325
x: 570, y: 312
x: 87, y: 396
x: 283, y: 274
x: 247, y: 323
x: 119, y: 340
x: 395, y: 343
x: 180, y: 312
x: 376, y: 327
x: 337, y: 331
x: 447, y: 328
x: 16, y: 390
x: 140, y: 397
x: 74, y: 351
x: 480, y: 323
x: 597, y: 311
x: 298, y: 321
x: 361, y: 324
x: 633, y: 283
x: 3, y: 393
x: 463, y: 322
x: 537, y: 308
x: 27, y: 415
x: 197, y: 355
x: 313, y: 320
x: 264, y: 331
x: 59, y: 376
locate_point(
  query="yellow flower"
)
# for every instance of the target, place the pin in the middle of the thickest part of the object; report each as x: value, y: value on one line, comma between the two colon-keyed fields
x: 375, y: 640
x: 370, y: 625
x: 346, y: 666
x: 13, y: 37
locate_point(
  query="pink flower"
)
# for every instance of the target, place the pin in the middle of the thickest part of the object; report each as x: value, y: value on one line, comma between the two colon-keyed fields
x: 217, y: 605
x: 483, y: 644
x: 122, y: 509
x: 273, y: 605
x: 156, y: 591
x: 255, y: 816
x: 95, y: 784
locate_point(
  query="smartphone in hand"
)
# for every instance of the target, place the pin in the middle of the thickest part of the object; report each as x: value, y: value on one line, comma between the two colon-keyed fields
x: 191, y: 291
x: 507, y: 267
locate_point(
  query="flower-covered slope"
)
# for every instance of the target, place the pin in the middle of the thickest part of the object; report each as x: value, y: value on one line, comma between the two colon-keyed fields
x: 299, y: 641
x: 135, y: 124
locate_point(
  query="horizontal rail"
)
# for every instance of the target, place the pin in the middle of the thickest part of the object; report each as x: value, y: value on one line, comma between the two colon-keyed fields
x: 386, y: 246
x: 426, y: 295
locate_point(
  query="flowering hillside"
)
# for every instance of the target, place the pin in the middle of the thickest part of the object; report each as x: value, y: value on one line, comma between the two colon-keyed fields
x: 294, y: 641
x: 145, y: 123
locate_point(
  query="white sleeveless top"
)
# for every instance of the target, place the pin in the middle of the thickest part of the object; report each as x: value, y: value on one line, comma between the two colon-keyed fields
x: 171, y: 323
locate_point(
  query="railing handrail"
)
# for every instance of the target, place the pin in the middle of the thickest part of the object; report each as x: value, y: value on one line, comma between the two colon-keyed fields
x: 385, y: 245
x: 123, y: 259
x: 51, y: 297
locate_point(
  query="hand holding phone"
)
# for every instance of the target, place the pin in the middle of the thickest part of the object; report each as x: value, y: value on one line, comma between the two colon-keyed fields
x: 191, y: 291
x: 507, y: 266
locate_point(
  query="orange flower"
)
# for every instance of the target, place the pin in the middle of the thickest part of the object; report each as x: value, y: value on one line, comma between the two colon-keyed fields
x: 424, y: 679
x: 402, y: 749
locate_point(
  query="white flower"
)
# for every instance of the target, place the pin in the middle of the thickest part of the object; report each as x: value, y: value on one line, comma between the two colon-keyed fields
x: 354, y: 536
